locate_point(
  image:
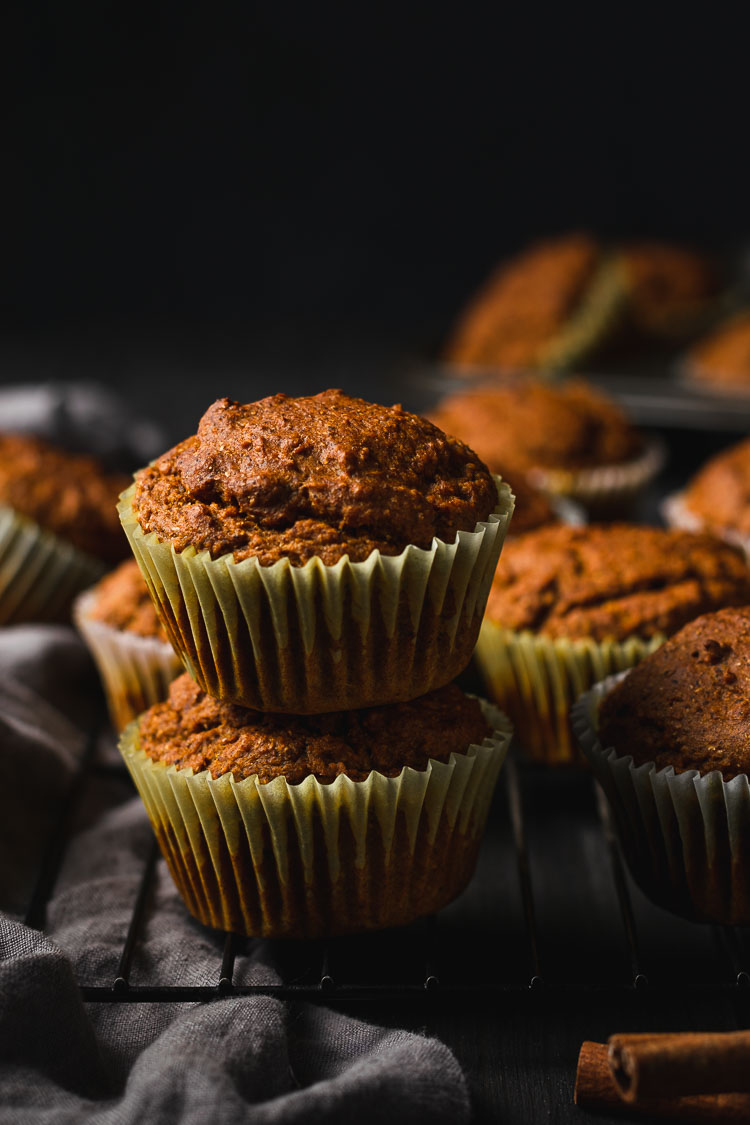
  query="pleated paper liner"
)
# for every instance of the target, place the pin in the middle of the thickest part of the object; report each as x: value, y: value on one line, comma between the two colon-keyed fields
x: 308, y: 860
x: 605, y: 491
x: 677, y: 515
x: 40, y: 574
x: 536, y: 680
x: 136, y: 671
x: 685, y: 836
x: 322, y: 638
x: 592, y: 323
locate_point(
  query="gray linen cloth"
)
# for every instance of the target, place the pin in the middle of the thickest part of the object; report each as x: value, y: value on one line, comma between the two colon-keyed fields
x: 231, y: 1060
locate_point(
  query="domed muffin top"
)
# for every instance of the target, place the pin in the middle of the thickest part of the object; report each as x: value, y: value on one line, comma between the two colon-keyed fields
x: 687, y: 705
x: 613, y: 581
x: 720, y: 492
x: 69, y: 494
x: 325, y: 475
x: 527, y: 424
x: 193, y: 730
x: 122, y: 601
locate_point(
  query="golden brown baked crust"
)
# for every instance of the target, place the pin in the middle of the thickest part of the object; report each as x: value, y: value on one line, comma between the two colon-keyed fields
x: 68, y: 494
x: 668, y: 286
x: 613, y: 581
x: 688, y: 704
x: 194, y: 730
x: 524, y: 305
x: 526, y: 423
x: 326, y: 475
x: 719, y: 494
x: 123, y: 602
x: 723, y: 358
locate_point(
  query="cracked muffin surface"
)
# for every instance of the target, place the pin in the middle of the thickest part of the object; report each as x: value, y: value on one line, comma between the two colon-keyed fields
x: 613, y: 581
x: 193, y: 730
x: 324, y: 475
x: 687, y: 705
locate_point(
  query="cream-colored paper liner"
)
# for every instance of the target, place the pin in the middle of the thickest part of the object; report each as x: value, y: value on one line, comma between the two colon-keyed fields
x: 685, y: 836
x: 594, y: 321
x: 536, y: 679
x: 136, y: 671
x: 40, y: 574
x: 604, y: 487
x: 677, y: 515
x: 280, y: 860
x: 322, y: 638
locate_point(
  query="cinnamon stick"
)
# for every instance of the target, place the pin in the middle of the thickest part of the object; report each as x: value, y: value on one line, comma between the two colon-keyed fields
x: 677, y: 1064
x: 596, y: 1091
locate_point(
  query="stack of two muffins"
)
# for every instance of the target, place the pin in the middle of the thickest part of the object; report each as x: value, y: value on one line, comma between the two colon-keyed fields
x: 321, y: 565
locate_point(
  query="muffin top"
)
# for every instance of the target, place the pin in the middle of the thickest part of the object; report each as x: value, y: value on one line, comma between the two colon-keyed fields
x: 613, y: 581
x: 719, y: 494
x: 69, y: 494
x: 527, y: 423
x: 123, y: 602
x: 724, y: 356
x: 326, y: 476
x: 524, y: 305
x: 194, y: 730
x: 668, y: 286
x: 687, y: 705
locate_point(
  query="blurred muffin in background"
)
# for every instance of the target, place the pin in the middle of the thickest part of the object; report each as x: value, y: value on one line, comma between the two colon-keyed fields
x: 543, y: 310
x: 717, y: 499
x: 668, y: 289
x: 571, y: 605
x: 568, y: 440
x: 722, y: 360
x: 58, y: 527
x: 118, y: 621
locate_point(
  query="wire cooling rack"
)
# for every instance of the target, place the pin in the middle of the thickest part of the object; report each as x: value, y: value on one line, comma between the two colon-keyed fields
x: 551, y: 908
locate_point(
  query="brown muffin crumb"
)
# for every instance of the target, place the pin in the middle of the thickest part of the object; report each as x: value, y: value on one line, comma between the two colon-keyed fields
x: 719, y: 494
x: 527, y: 424
x: 613, y: 581
x: 194, y: 730
x: 723, y: 358
x: 688, y: 704
x: 326, y: 475
x: 669, y: 287
x: 123, y: 602
x: 69, y: 494
x: 533, y: 509
x: 524, y: 305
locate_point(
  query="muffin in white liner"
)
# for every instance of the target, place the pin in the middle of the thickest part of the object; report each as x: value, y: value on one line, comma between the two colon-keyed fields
x: 678, y: 515
x: 136, y: 671
x: 604, y: 490
x: 685, y: 835
x: 316, y: 638
x: 310, y: 859
x: 40, y: 574
x: 715, y: 500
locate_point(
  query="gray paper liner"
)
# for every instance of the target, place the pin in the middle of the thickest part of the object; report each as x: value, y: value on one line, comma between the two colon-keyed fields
x: 536, y: 679
x: 281, y: 860
x: 40, y: 574
x: 322, y: 638
x: 136, y: 671
x: 685, y: 836
x: 605, y: 487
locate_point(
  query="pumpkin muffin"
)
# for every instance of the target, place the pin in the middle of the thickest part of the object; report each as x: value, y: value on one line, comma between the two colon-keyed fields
x: 669, y: 288
x: 58, y: 527
x: 721, y: 361
x: 318, y: 553
x: 304, y: 826
x: 544, y: 310
x: 570, y: 605
x: 717, y: 499
x: 119, y: 623
x: 569, y: 440
x: 670, y: 741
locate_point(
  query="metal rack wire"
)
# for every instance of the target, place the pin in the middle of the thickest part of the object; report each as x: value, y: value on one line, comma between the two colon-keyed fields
x: 322, y: 982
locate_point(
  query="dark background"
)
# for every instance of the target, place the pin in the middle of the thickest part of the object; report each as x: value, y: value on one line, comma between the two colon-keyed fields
x: 295, y: 191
